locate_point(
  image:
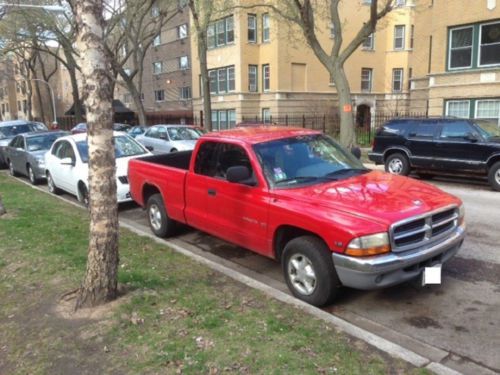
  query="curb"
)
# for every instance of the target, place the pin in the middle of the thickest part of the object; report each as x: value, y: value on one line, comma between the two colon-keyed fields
x: 391, y: 348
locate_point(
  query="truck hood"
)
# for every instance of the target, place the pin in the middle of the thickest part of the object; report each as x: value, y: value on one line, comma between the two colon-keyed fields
x: 375, y: 196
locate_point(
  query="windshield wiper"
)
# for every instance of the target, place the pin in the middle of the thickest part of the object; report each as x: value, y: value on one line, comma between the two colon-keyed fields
x: 348, y: 170
x: 303, y: 179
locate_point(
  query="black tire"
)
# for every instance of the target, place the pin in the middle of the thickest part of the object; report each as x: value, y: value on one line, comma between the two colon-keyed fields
x: 398, y: 164
x: 159, y: 222
x: 52, y: 186
x: 31, y: 175
x: 83, y: 195
x: 494, y: 176
x: 12, y: 171
x: 313, y: 252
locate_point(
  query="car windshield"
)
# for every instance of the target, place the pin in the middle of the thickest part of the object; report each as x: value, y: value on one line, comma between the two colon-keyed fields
x: 488, y: 128
x: 13, y: 130
x: 42, y: 142
x: 125, y: 146
x: 182, y: 134
x: 306, y: 159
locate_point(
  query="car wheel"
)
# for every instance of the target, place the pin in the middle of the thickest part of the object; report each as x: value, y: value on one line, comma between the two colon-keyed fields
x: 12, y: 171
x: 83, y: 195
x: 173, y: 150
x: 159, y: 222
x: 494, y: 176
x: 51, y: 185
x: 309, y: 271
x: 397, y: 164
x: 31, y: 175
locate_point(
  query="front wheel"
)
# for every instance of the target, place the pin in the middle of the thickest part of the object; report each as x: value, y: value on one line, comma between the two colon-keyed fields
x: 12, y: 171
x: 83, y: 195
x: 51, y: 185
x: 494, y: 176
x: 159, y: 222
x: 309, y: 270
x: 397, y: 164
x: 31, y: 175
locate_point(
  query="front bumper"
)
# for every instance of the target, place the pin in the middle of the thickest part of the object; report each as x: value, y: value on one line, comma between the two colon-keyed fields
x: 394, y: 268
x: 376, y: 157
x: 123, y: 192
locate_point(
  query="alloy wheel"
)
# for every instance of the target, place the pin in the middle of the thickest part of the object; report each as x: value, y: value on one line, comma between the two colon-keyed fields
x: 395, y: 166
x: 302, y: 274
x: 155, y: 217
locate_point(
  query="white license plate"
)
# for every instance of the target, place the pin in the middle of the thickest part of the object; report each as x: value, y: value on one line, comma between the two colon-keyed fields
x: 431, y: 275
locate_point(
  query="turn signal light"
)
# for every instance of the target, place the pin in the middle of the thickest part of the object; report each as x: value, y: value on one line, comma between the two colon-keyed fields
x: 368, y: 251
x: 373, y: 244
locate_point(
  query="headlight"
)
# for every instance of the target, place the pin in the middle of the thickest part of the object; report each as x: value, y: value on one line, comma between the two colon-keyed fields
x: 369, y: 245
x: 461, y: 214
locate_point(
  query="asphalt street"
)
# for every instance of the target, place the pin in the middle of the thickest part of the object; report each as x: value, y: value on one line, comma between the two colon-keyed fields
x: 456, y: 323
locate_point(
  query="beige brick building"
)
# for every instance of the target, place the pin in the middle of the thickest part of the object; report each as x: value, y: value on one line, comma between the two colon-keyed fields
x: 261, y: 66
x: 456, y: 61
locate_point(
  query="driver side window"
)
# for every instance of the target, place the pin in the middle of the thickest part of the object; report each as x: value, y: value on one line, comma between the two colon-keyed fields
x: 231, y: 156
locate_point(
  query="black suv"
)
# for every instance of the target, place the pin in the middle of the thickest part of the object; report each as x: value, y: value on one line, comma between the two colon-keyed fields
x: 434, y: 145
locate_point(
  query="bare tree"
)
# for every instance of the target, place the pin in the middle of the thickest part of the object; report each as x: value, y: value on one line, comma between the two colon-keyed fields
x: 304, y: 14
x: 130, y: 32
x: 202, y: 12
x: 100, y: 281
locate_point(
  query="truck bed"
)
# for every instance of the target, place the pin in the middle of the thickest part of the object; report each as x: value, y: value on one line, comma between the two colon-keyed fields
x: 178, y: 160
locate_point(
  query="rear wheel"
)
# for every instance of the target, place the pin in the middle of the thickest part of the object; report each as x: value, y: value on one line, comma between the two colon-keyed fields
x: 31, y: 175
x: 494, y: 176
x: 159, y: 222
x: 397, y: 163
x: 12, y: 171
x: 309, y: 271
x: 51, y: 185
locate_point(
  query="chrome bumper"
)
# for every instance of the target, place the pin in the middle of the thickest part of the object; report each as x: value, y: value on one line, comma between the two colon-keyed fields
x: 390, y: 269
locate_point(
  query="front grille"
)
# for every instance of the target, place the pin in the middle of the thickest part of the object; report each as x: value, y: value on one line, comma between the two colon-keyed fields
x: 123, y: 179
x: 417, y: 231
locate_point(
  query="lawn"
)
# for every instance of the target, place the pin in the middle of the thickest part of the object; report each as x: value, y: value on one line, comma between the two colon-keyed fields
x: 175, y: 315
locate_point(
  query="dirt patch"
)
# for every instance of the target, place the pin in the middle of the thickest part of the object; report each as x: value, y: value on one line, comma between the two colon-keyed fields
x: 423, y: 322
x: 472, y: 270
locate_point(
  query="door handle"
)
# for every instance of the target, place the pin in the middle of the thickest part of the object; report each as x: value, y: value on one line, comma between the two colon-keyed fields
x: 212, y: 192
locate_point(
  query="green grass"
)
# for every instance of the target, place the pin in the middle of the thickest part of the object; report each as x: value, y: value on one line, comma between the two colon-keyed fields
x: 177, y: 314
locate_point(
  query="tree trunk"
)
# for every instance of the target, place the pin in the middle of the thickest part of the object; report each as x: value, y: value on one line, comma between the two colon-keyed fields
x: 139, y: 105
x: 3, y: 211
x: 100, y: 281
x: 347, y: 132
x: 205, y: 82
x: 77, y: 103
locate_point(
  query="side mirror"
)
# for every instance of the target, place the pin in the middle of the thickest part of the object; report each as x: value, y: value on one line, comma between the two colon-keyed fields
x: 67, y: 161
x: 150, y: 148
x: 471, y: 137
x: 238, y: 174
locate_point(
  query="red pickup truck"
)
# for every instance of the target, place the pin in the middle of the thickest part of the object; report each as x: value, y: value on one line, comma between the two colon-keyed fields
x: 296, y: 196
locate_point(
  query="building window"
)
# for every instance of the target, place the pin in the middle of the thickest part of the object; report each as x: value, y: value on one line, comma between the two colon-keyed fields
x: 266, y: 115
x: 222, y: 80
x: 155, y: 10
x: 366, y: 79
x: 252, y: 28
x: 157, y: 40
x: 266, y: 78
x: 489, y: 44
x: 253, y: 78
x: 488, y: 109
x: 399, y: 37
x: 220, y: 33
x: 397, y: 80
x: 400, y: 3
x: 159, y: 95
x: 266, y: 37
x: 412, y: 35
x: 183, y: 63
x: 461, y: 48
x: 157, y: 67
x: 223, y: 119
x: 185, y: 92
x: 368, y: 42
x: 458, y: 108
x: 182, y: 31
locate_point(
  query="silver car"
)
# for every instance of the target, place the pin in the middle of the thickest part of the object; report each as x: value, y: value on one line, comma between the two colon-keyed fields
x: 25, y: 153
x: 9, y: 129
x: 161, y: 139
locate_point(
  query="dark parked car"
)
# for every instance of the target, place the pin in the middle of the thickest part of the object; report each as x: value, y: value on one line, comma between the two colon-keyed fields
x: 439, y: 145
x: 25, y: 153
x: 9, y: 129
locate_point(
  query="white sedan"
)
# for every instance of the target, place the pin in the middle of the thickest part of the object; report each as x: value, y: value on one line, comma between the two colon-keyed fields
x: 67, y: 165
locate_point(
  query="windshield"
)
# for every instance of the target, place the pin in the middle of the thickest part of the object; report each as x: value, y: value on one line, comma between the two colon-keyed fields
x: 42, y: 142
x: 488, y: 128
x: 306, y: 160
x: 182, y: 134
x: 124, y: 147
x: 13, y: 130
